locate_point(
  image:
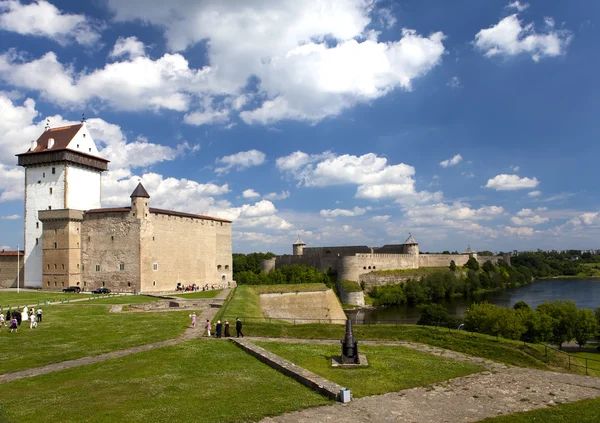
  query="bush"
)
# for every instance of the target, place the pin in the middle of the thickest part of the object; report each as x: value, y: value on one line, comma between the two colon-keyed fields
x: 452, y: 266
x: 472, y: 264
x: 437, y: 315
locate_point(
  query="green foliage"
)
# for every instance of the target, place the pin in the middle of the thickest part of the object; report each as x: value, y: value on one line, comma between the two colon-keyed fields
x: 388, y: 295
x: 543, y: 264
x: 597, y: 314
x: 485, y: 253
x: 586, y: 326
x: 493, y: 320
x: 437, y: 315
x: 351, y: 286
x: 249, y: 263
x: 564, y: 317
x: 452, y: 266
x: 293, y: 274
x: 472, y: 264
x: 520, y: 305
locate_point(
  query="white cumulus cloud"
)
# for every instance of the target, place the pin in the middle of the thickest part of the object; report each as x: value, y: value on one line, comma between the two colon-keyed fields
x: 521, y: 7
x: 452, y: 161
x: 356, y: 211
x: 42, y: 19
x: 250, y: 193
x: 505, y: 182
x: 129, y: 47
x: 510, y: 37
x: 241, y: 160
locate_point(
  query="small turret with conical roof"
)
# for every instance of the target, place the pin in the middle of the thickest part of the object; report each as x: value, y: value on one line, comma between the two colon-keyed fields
x: 411, y: 246
x: 139, y: 202
x: 470, y: 252
x: 298, y: 246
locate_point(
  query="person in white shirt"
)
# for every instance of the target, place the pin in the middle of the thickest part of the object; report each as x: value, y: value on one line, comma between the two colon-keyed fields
x: 32, y: 321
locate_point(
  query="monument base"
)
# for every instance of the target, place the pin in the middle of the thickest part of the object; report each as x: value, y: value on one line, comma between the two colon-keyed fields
x: 336, y: 361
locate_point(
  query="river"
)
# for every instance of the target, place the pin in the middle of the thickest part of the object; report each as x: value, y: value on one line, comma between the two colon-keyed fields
x: 584, y: 292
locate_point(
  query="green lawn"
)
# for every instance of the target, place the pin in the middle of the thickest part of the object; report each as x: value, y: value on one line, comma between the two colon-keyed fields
x: 593, y: 362
x: 73, y: 331
x: 245, y: 302
x: 195, y: 381
x: 199, y: 294
x: 31, y: 297
x: 390, y: 368
x: 501, y: 350
x: 586, y: 411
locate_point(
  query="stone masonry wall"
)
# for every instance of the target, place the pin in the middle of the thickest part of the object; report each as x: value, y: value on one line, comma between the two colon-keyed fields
x: 185, y: 250
x: 112, y: 242
x: 8, y: 271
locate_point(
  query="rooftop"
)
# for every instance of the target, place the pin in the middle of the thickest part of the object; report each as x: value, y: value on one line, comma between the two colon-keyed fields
x: 140, y: 191
x: 11, y: 253
x: 157, y: 211
x: 410, y: 240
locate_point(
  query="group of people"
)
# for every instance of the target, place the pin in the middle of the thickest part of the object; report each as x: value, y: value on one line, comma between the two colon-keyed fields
x: 221, y: 330
x: 193, y: 287
x: 14, y: 318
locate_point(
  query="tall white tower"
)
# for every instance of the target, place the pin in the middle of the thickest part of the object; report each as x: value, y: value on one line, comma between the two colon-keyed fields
x: 62, y: 171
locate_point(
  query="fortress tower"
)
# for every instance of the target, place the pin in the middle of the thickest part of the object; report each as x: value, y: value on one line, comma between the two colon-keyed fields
x: 62, y: 171
x: 412, y: 246
x: 298, y: 247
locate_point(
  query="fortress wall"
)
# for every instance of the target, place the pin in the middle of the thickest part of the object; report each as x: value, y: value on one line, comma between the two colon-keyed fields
x: 8, y: 271
x: 303, y: 307
x: 371, y: 280
x: 268, y: 264
x: 336, y: 251
x: 493, y: 259
x: 353, y: 298
x: 368, y: 262
x: 321, y: 263
x: 349, y: 268
x: 442, y: 260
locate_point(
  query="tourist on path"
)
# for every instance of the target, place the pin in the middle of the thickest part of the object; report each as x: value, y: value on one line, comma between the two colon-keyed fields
x: 238, y: 327
x: 208, y: 327
x: 2, y: 320
x: 13, y: 325
x: 227, y: 334
x: 32, y: 321
x: 193, y: 316
x: 39, y: 315
x: 219, y: 328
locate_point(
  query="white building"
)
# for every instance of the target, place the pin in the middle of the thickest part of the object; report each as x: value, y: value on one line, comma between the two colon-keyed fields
x: 62, y: 171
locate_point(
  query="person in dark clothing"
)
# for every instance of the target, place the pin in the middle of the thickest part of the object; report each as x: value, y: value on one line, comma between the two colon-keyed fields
x: 17, y: 315
x: 227, y: 334
x: 238, y: 327
x: 8, y: 316
x: 219, y: 328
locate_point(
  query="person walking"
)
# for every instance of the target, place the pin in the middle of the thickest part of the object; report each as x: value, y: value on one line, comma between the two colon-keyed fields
x: 13, y: 325
x: 32, y: 321
x: 208, y: 327
x: 219, y: 328
x: 193, y: 316
x: 39, y: 315
x: 238, y: 327
x: 2, y: 320
x: 227, y: 334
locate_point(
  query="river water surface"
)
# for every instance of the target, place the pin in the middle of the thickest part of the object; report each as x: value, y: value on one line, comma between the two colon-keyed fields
x: 584, y: 292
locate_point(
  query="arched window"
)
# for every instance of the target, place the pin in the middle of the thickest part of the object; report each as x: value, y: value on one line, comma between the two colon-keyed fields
x: 328, y: 252
x: 365, y: 267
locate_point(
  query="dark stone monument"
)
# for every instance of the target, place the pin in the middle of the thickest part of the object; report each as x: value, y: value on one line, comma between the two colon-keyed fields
x: 349, y: 346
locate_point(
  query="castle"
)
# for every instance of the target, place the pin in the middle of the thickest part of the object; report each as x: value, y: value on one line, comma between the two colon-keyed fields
x: 71, y: 241
x: 350, y: 263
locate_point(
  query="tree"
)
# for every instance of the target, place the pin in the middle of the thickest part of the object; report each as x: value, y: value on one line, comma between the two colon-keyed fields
x: 472, y: 264
x: 452, y: 266
x: 436, y: 315
x: 493, y: 320
x: 519, y: 305
x: 597, y: 313
x: 564, y: 317
x: 415, y: 293
x: 586, y: 326
x: 485, y: 253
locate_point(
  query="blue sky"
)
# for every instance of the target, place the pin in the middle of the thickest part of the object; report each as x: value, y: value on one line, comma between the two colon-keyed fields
x: 347, y: 122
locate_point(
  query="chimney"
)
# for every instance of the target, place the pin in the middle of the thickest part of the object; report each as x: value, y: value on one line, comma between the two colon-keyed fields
x: 50, y: 143
x: 33, y: 145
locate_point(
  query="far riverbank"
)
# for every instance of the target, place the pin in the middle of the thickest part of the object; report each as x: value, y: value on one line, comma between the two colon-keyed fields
x: 584, y: 292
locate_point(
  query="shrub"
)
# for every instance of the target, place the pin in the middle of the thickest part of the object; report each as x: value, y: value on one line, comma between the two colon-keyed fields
x: 351, y: 286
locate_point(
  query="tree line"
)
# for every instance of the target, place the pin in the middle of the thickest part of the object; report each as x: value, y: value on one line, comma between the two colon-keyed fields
x: 555, y: 322
x: 452, y: 282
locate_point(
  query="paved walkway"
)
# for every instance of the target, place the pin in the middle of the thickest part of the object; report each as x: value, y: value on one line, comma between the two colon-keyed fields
x: 190, y: 333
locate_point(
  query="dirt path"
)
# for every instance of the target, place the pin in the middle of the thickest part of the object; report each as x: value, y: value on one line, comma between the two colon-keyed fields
x: 190, y: 333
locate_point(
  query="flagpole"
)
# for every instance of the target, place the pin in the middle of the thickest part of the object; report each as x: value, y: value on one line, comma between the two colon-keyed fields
x: 18, y: 268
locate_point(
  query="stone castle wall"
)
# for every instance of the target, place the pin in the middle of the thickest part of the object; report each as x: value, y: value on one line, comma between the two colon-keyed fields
x: 8, y: 271
x: 303, y: 307
x: 112, y: 242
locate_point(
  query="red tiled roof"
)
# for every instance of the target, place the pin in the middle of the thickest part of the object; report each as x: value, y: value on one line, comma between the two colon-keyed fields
x: 11, y: 253
x: 158, y: 211
x: 62, y: 137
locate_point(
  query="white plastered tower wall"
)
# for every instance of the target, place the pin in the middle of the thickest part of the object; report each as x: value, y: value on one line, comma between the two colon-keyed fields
x: 55, y: 184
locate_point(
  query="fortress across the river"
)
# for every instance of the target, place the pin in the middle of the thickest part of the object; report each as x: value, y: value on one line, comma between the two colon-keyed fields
x: 351, y: 262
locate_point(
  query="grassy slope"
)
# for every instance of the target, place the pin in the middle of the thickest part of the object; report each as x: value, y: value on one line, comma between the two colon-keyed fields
x: 593, y: 363
x: 297, y: 287
x: 245, y: 302
x: 390, y: 368
x: 587, y: 411
x: 501, y: 350
x: 199, y: 294
x: 73, y: 331
x: 196, y: 381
